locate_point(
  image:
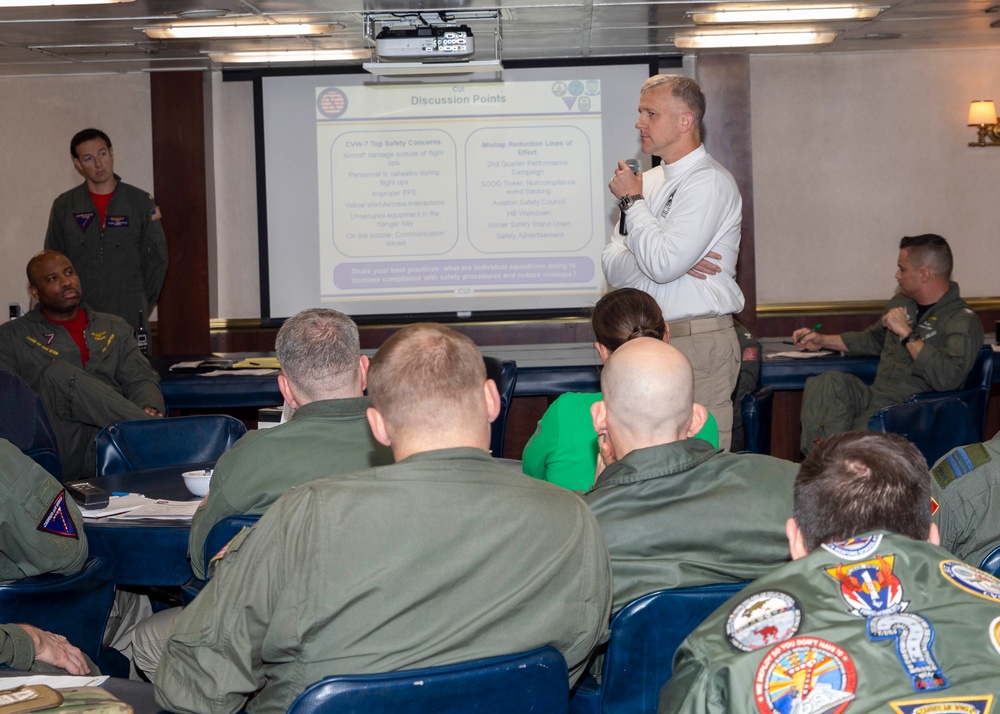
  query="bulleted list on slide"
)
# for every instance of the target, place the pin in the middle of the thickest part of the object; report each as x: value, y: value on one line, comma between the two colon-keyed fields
x: 460, y: 190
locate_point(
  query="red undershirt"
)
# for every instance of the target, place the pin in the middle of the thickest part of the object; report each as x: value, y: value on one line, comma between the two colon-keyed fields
x: 75, y: 328
x: 101, y: 201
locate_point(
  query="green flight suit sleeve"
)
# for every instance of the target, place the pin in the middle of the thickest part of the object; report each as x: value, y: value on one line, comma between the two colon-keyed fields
x: 689, y: 690
x: 213, y: 661
x: 138, y: 380
x: 866, y: 342
x: 154, y: 253
x: 946, y: 367
x: 17, y: 650
x: 30, y: 496
x: 55, y: 239
x: 214, y: 509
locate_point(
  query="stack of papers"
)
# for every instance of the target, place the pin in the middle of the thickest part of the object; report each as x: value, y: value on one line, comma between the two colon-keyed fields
x: 799, y: 355
x: 135, y: 506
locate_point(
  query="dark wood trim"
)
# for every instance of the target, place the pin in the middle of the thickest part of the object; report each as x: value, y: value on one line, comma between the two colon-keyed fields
x: 178, y: 107
x: 725, y: 79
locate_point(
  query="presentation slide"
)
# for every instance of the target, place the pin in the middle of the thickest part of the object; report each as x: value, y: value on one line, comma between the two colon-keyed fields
x: 446, y: 198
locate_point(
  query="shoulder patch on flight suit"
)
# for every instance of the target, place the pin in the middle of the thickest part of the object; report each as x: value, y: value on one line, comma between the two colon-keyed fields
x: 965, y: 705
x: 233, y: 545
x: 960, y: 462
x: 58, y: 520
x: 750, y: 354
x: 971, y: 580
x: 995, y: 634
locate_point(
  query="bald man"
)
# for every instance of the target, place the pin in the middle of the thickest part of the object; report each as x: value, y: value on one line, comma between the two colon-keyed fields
x: 85, y: 364
x: 675, y: 511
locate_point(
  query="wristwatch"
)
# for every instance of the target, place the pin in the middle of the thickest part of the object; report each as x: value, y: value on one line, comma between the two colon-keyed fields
x: 625, y: 202
x: 912, y: 337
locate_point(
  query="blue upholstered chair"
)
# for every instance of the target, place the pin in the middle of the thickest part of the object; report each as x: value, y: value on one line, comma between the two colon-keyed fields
x: 221, y: 533
x: 153, y: 443
x: 531, y: 682
x: 975, y: 393
x: 991, y: 563
x: 24, y: 424
x: 75, y: 606
x: 504, y: 373
x: 645, y: 634
x: 756, y: 412
x: 935, y: 426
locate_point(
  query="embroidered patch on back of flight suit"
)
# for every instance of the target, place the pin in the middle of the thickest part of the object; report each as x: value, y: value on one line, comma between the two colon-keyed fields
x: 872, y: 591
x: 855, y: 548
x: 960, y: 462
x: 971, y: 580
x: 117, y: 222
x: 763, y: 620
x: 995, y: 634
x: 58, y: 520
x: 84, y: 220
x: 945, y: 705
x: 805, y: 674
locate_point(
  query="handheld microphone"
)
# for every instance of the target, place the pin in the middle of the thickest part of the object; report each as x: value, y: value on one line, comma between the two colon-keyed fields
x: 634, y: 165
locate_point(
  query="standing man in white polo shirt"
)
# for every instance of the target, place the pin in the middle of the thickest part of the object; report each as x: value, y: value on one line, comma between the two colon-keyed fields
x: 677, y: 216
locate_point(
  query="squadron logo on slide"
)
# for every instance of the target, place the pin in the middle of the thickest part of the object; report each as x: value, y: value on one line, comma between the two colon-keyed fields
x: 331, y: 102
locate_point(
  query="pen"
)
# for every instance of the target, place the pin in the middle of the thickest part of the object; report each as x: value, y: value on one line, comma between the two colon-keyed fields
x: 799, y: 338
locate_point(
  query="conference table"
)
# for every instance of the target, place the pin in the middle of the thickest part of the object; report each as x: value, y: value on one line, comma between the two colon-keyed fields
x: 146, y: 553
x: 542, y: 370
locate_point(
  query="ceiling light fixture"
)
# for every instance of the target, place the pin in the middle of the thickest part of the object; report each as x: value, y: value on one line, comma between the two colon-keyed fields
x: 268, y: 56
x: 216, y: 31
x: 786, y: 14
x: 983, y: 114
x: 44, y: 3
x: 752, y: 39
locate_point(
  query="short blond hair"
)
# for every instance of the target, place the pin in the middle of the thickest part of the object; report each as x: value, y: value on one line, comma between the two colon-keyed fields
x: 426, y: 373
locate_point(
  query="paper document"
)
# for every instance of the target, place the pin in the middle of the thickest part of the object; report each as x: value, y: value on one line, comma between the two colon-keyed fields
x: 799, y: 355
x: 56, y: 681
x: 241, y: 372
x: 134, y: 506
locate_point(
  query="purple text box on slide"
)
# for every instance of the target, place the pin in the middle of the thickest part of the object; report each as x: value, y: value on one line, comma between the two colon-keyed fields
x: 455, y: 273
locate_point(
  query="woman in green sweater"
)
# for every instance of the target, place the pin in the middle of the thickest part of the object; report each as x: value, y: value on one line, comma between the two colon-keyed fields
x: 563, y: 449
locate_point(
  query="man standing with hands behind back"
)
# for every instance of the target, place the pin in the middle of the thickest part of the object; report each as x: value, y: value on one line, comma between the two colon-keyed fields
x: 677, y: 216
x: 111, y: 232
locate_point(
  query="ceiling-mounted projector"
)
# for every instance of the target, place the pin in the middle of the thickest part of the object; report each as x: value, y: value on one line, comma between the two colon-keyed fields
x: 424, y: 43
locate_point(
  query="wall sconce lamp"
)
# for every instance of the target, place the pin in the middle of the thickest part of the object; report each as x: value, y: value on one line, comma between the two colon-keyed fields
x: 983, y: 114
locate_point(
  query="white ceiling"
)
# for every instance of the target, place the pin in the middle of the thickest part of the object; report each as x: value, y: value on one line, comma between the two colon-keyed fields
x: 108, y: 38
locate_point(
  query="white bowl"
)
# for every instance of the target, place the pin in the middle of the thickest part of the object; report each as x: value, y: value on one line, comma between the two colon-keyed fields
x: 197, y: 481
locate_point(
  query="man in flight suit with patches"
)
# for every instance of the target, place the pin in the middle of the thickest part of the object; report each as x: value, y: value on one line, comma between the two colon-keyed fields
x: 41, y: 529
x: 84, y: 364
x: 965, y: 500
x: 870, y: 615
x: 112, y: 233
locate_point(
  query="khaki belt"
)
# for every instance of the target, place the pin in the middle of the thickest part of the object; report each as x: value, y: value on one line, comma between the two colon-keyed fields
x: 698, y: 325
